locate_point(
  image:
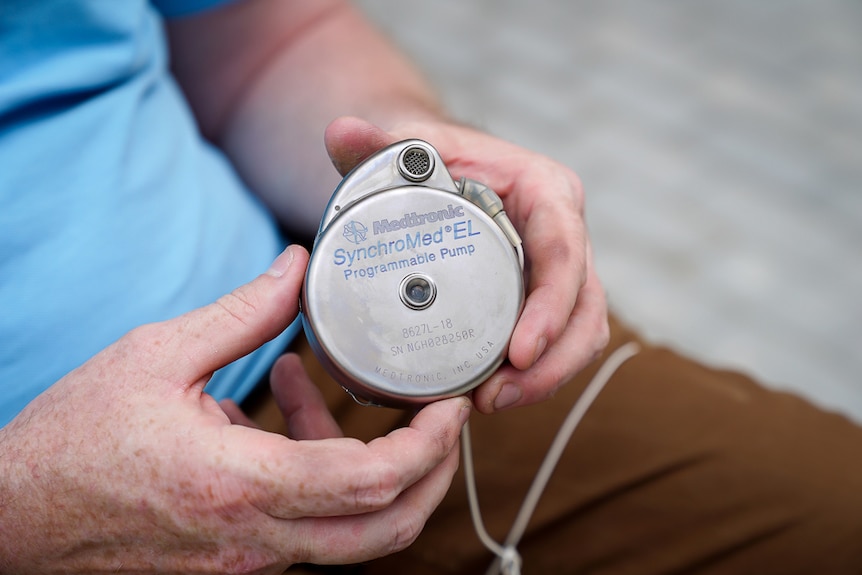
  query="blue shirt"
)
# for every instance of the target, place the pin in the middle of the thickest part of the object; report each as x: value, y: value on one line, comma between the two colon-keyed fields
x: 114, y: 211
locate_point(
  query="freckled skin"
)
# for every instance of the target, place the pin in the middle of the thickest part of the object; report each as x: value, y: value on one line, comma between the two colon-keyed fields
x: 125, y: 465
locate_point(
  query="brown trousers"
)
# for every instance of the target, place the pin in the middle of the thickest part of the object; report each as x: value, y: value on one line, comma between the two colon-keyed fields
x: 677, y: 468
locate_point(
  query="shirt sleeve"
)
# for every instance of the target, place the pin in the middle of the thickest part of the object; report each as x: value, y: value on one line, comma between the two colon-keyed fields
x: 180, y: 8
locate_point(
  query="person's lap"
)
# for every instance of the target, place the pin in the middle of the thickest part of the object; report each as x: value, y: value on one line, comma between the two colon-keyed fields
x: 677, y: 468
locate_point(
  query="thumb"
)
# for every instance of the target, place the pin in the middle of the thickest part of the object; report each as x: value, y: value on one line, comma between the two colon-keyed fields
x: 209, y: 338
x: 350, y: 140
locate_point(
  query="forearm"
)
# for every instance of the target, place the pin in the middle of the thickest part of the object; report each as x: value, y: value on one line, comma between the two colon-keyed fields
x: 323, y: 61
x: 32, y: 533
x: 266, y: 77
x: 9, y: 495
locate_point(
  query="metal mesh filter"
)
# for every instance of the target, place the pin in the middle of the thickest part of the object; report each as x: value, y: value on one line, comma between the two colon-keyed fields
x: 416, y: 163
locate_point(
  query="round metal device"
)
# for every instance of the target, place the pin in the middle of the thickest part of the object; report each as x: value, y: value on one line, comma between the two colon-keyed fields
x: 411, y: 295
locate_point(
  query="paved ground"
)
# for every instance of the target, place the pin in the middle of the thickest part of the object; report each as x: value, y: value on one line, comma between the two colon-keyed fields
x: 720, y: 142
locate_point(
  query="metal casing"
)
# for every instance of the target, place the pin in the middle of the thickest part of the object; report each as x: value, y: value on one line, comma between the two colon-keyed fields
x: 373, y: 239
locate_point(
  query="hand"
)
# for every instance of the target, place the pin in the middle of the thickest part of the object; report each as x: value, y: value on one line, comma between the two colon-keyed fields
x: 126, y: 465
x: 564, y: 323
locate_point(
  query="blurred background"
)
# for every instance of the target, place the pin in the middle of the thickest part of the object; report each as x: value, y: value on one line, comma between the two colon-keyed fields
x: 720, y: 145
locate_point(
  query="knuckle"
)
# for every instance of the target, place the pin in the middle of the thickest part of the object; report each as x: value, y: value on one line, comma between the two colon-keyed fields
x: 577, y: 189
x: 405, y: 529
x: 144, y: 345
x: 556, y: 379
x: 603, y: 336
x: 239, y: 304
x: 142, y: 336
x: 444, y: 441
x: 379, y: 488
x: 568, y: 183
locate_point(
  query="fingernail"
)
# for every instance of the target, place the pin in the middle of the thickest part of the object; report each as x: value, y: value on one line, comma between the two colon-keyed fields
x: 281, y: 263
x: 509, y: 395
x: 541, y: 344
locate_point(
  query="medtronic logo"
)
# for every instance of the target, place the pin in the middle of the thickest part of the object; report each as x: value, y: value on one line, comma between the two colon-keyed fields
x: 355, y: 232
x: 413, y: 219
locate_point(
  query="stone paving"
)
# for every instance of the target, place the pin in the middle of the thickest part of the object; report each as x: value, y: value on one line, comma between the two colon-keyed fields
x: 720, y: 144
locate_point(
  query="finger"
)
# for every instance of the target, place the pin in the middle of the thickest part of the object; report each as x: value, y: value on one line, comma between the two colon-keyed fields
x: 358, y: 538
x: 586, y: 334
x: 350, y: 140
x: 545, y: 201
x: 211, y: 337
x: 300, y: 401
x: 342, y: 476
x: 555, y: 241
x: 235, y: 414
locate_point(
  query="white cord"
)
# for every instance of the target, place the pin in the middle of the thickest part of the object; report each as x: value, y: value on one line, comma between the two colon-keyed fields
x: 508, y: 560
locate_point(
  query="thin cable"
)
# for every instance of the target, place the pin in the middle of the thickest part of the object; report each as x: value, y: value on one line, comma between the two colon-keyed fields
x: 472, y: 496
x: 508, y: 560
x: 608, y: 368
